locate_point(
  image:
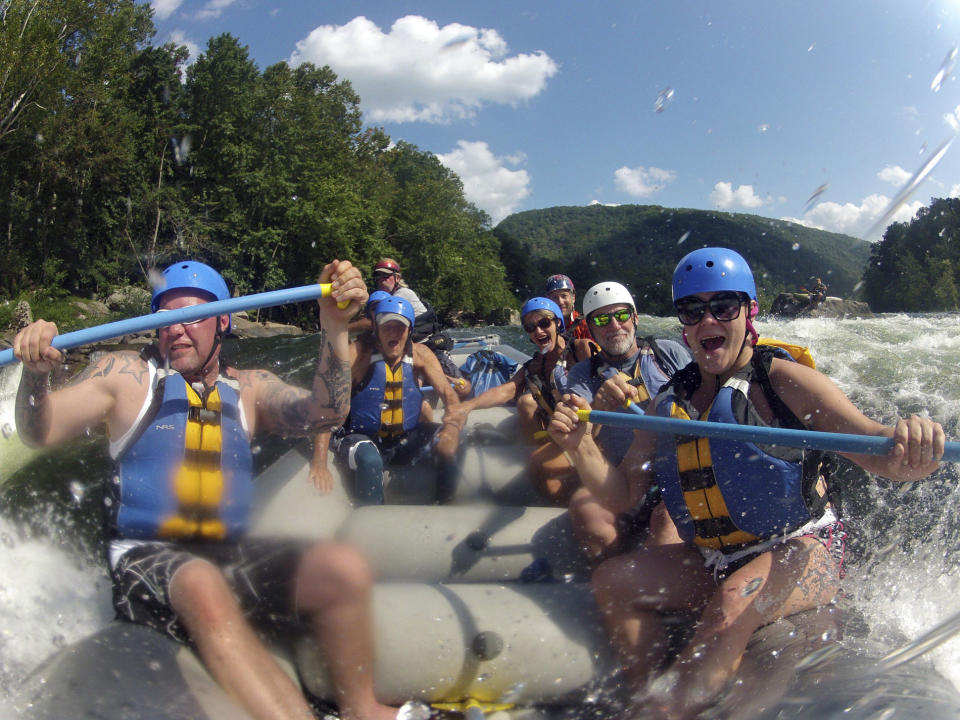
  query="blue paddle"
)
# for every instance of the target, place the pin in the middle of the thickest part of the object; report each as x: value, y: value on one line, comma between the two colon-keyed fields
x: 154, y: 321
x: 836, y: 442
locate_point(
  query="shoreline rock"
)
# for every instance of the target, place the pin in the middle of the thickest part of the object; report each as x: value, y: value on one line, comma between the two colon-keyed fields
x: 798, y: 305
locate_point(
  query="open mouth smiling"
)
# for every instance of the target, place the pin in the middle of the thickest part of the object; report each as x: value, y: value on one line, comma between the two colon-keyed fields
x: 714, y: 342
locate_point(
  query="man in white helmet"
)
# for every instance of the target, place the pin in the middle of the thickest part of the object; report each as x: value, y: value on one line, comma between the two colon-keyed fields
x: 624, y: 367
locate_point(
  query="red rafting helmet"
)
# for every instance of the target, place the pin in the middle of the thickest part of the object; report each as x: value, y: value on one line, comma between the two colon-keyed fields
x: 386, y: 266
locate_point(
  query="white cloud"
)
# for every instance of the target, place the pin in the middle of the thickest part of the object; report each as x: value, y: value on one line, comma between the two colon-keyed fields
x: 179, y: 37
x: 895, y: 175
x: 489, y: 185
x: 725, y: 197
x: 954, y: 191
x: 953, y: 119
x: 852, y: 219
x: 642, y: 181
x: 214, y: 9
x: 162, y: 9
x: 419, y: 71
x: 597, y: 202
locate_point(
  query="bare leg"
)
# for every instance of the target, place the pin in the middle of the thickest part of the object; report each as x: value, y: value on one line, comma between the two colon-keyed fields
x: 593, y: 525
x: 634, y: 589
x: 526, y: 416
x: 229, y: 648
x: 798, y: 575
x: 553, y: 475
x: 333, y: 591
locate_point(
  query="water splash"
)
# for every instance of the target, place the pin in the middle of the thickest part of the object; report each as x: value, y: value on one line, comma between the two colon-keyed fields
x: 663, y: 99
x: 912, y: 184
x: 815, y: 196
x: 946, y: 68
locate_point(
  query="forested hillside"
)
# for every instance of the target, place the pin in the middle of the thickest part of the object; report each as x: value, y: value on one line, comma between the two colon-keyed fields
x: 117, y: 157
x: 640, y: 246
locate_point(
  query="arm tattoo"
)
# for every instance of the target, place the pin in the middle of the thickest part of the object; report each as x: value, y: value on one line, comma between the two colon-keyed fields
x: 33, y: 422
x: 294, y: 411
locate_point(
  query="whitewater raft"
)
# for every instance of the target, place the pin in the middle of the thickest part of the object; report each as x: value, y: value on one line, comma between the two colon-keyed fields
x: 482, y: 605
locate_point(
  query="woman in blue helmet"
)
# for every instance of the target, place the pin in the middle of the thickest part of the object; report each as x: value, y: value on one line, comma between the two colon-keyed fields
x: 536, y: 388
x: 387, y: 423
x: 745, y: 534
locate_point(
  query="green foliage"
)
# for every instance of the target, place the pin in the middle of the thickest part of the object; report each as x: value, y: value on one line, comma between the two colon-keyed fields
x: 118, y: 159
x: 640, y: 246
x: 914, y: 267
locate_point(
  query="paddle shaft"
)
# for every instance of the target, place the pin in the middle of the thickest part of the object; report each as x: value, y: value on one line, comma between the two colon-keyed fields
x: 154, y: 321
x: 836, y: 442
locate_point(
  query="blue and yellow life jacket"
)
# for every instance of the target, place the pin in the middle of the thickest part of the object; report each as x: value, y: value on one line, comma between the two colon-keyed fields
x: 185, y: 472
x: 387, y: 402
x: 726, y: 493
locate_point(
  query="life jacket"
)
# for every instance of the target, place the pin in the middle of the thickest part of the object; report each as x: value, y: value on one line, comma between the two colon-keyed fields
x: 185, y: 470
x: 726, y: 493
x: 545, y: 387
x: 425, y: 324
x: 647, y: 373
x: 577, y: 329
x: 387, y: 402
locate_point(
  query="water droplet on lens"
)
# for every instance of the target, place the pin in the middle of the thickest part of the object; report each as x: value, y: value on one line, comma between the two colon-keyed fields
x: 683, y: 237
x: 32, y: 401
x: 663, y: 99
x: 763, y: 127
x: 795, y: 247
x: 7, y: 430
x: 77, y: 490
x: 946, y: 67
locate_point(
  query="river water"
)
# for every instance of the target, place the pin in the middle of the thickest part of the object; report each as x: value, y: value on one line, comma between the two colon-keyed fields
x: 904, y: 554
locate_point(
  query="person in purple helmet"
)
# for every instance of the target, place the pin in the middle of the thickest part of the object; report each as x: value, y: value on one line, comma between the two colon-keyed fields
x: 745, y: 533
x: 179, y: 557
x: 560, y: 289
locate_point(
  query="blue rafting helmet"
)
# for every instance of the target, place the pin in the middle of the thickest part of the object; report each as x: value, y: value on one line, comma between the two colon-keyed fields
x: 375, y: 297
x: 194, y: 275
x: 558, y: 282
x: 711, y: 270
x: 392, y: 305
x: 542, y: 303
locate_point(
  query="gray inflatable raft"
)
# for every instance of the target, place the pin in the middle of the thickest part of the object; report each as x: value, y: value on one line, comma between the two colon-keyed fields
x: 484, y: 601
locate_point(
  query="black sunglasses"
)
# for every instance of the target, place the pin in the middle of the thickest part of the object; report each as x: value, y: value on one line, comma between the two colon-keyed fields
x: 724, y: 306
x: 542, y: 323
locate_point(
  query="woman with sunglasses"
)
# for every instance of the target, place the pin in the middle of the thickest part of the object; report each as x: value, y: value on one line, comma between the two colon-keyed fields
x: 535, y: 387
x: 745, y: 534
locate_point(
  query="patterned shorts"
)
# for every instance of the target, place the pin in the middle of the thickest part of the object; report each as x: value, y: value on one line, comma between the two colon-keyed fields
x: 261, y: 574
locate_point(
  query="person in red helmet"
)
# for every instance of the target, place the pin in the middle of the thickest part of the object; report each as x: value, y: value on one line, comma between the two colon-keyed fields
x: 387, y: 278
x: 560, y: 289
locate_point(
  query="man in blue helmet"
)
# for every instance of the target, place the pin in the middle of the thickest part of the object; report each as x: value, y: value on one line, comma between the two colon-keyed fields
x: 179, y: 505
x: 387, y: 424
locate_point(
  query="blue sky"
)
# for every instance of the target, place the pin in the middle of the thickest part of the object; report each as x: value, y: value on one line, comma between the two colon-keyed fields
x: 536, y: 104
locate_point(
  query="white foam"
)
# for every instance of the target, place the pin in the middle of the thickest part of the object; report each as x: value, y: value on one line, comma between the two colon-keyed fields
x: 48, y: 599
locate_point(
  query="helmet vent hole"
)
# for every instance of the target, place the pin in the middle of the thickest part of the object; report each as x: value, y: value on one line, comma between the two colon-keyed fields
x: 709, y: 263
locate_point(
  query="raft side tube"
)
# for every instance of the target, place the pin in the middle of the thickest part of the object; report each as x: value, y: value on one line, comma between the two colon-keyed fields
x: 464, y: 544
x: 533, y: 643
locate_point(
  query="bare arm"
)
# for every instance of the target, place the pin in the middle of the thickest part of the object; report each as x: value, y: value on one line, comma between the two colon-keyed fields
x: 319, y: 472
x: 47, y: 418
x: 616, y: 488
x: 288, y: 410
x: 821, y: 405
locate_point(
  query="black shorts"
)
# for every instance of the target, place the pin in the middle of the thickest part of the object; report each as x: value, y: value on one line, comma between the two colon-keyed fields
x: 261, y: 574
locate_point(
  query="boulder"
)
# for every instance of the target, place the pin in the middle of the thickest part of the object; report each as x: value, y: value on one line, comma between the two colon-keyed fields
x: 793, y: 305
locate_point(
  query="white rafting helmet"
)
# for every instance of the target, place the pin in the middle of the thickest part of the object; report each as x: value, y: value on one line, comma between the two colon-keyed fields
x: 606, y: 293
